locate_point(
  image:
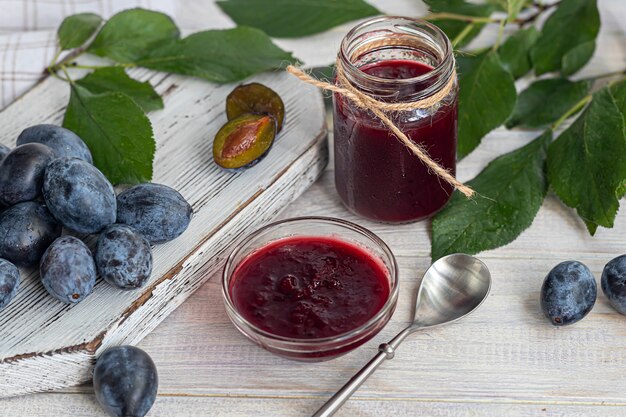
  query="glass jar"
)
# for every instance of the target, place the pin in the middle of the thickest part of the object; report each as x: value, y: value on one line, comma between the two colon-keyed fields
x: 395, y: 60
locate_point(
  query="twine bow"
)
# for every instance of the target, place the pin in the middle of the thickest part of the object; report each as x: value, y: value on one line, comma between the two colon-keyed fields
x: 381, y: 109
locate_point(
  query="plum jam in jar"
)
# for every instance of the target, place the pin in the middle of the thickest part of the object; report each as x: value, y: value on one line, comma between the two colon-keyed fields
x: 395, y: 60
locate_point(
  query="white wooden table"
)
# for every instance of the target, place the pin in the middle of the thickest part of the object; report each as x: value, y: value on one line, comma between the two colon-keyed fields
x: 505, y: 360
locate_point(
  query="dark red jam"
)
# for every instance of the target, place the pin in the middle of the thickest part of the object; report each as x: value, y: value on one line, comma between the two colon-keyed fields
x: 376, y: 176
x: 309, y: 287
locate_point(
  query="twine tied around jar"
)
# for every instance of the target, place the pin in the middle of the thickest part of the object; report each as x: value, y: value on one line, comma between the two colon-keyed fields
x: 382, y: 109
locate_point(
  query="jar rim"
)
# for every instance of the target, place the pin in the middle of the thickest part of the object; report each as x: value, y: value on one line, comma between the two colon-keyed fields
x: 409, y: 26
x: 348, y: 336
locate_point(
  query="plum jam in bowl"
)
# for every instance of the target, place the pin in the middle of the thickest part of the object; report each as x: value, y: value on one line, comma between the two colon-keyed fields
x: 310, y: 288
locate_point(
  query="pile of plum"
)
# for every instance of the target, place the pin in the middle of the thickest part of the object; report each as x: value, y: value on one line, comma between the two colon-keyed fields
x: 49, y: 183
x: 569, y: 290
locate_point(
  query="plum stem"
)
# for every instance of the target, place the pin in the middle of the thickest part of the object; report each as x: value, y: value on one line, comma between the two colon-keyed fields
x: 496, y: 45
x: 607, y: 75
x: 67, y: 75
x: 585, y: 100
x: 571, y: 111
x: 466, y: 30
x: 462, y: 17
x: 54, y: 66
x: 541, y: 8
x: 56, y: 56
x: 95, y: 67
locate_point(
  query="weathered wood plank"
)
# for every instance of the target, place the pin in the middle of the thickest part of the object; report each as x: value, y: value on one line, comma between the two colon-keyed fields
x: 46, y: 344
x: 50, y: 404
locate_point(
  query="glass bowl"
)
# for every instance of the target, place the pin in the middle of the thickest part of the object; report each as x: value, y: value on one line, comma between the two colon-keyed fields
x: 312, y: 349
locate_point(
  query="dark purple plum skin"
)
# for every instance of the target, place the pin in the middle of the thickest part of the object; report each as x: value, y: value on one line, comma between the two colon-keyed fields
x: 613, y: 283
x: 26, y: 231
x: 125, y: 381
x: 9, y: 282
x: 22, y: 172
x: 123, y: 257
x: 68, y: 270
x: 78, y: 195
x: 156, y: 211
x: 4, y: 151
x: 62, y: 141
x: 568, y: 293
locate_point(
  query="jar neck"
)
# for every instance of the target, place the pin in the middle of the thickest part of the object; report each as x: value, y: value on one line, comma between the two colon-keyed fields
x: 392, y: 38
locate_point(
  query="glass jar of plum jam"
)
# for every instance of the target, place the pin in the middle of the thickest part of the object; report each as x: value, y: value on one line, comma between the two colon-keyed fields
x: 395, y: 60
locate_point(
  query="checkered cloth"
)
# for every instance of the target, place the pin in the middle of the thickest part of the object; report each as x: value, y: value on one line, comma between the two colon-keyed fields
x: 28, y: 35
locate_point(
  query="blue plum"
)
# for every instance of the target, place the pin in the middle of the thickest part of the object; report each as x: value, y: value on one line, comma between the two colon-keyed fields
x: 63, y: 142
x: 78, y: 195
x: 568, y: 293
x: 9, y: 282
x: 125, y: 381
x: 123, y: 257
x: 68, y: 270
x: 613, y: 283
x: 22, y: 172
x: 26, y: 230
x: 4, y: 151
x: 156, y: 211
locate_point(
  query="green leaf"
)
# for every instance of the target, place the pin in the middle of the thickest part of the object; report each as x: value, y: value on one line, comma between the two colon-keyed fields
x: 544, y: 101
x: 618, y: 91
x: 465, y: 61
x: 117, y: 132
x: 621, y: 191
x: 577, y: 57
x: 221, y: 56
x: 115, y: 79
x: 591, y: 227
x: 453, y: 28
x: 76, y: 29
x: 132, y: 34
x: 515, y: 51
x: 510, y: 191
x: 574, y: 23
x: 587, y: 163
x: 486, y: 99
x: 295, y: 18
x: 326, y: 73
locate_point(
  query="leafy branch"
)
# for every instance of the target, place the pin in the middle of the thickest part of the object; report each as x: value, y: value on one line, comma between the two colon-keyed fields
x: 584, y: 164
x: 521, y: 22
x: 107, y: 108
x: 540, y: 9
x: 462, y: 18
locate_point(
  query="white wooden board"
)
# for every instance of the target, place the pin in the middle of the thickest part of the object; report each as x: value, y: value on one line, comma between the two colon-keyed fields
x: 505, y: 361
x: 45, y: 344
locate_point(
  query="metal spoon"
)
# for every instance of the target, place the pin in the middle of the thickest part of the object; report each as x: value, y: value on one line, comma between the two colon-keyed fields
x: 453, y: 287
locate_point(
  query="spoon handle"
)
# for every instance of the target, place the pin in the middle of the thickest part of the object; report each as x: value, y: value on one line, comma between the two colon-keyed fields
x: 386, y: 351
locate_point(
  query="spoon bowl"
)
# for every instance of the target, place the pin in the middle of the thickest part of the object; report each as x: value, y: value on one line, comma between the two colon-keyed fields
x: 453, y: 287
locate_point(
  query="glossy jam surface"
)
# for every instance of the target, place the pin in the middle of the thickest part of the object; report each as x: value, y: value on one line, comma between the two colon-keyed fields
x: 397, y: 69
x: 309, y: 287
x: 375, y: 175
